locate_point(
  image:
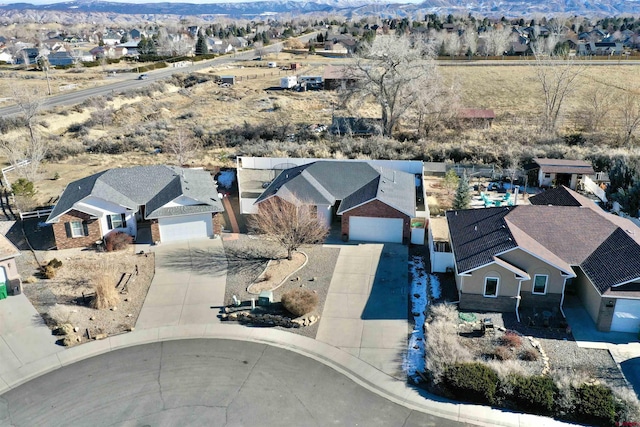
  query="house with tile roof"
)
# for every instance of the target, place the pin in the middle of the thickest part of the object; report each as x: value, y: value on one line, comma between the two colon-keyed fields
x: 164, y: 203
x: 509, y: 258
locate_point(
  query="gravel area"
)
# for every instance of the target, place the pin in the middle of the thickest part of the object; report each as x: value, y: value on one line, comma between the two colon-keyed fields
x: 563, y: 352
x: 74, y: 278
x: 248, y: 256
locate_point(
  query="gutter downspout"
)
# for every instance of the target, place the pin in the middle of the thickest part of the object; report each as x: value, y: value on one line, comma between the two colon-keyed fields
x: 564, y: 283
x: 518, y: 298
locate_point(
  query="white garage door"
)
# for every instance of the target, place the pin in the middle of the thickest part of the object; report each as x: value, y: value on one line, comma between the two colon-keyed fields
x: 375, y: 229
x: 185, y: 227
x: 626, y: 317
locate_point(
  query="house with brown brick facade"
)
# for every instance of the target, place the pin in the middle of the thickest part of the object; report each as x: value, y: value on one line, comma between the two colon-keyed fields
x: 373, y: 203
x: 509, y: 258
x: 156, y: 203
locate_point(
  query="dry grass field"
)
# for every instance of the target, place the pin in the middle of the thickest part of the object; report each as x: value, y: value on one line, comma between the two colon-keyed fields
x: 229, y: 120
x: 513, y: 91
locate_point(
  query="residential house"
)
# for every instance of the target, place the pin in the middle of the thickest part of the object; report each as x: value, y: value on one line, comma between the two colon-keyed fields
x: 374, y: 200
x: 27, y: 56
x: 532, y: 256
x: 6, y: 57
x: 166, y: 203
x: 60, y: 58
x: 136, y: 34
x: 557, y: 172
x: 222, y: 48
x: 111, y: 38
x: 10, y: 283
x: 238, y: 42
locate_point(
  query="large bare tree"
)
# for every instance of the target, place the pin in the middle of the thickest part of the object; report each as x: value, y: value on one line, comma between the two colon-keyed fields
x: 290, y: 225
x: 497, y: 40
x: 557, y: 78
x: 183, y: 146
x: 391, y: 70
x: 29, y: 144
x: 630, y: 115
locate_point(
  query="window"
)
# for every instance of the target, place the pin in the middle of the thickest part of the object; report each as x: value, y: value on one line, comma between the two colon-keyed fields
x: 116, y: 221
x: 491, y: 287
x: 540, y: 284
x: 77, y: 230
x: 547, y: 175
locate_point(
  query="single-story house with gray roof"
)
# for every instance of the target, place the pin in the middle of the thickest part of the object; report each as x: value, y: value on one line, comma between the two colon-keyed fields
x: 375, y: 203
x: 507, y: 258
x: 157, y: 203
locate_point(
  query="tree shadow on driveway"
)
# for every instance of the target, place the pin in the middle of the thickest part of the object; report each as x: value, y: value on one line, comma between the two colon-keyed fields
x: 217, y: 263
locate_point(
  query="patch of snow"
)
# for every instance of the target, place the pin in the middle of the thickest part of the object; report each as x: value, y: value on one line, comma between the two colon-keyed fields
x: 434, y: 286
x: 414, y: 359
x: 226, y: 178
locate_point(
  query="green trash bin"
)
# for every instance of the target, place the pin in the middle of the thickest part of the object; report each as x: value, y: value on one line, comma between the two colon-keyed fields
x: 3, y: 290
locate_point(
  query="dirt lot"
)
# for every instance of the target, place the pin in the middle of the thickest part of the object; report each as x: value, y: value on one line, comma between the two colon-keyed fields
x: 60, y: 299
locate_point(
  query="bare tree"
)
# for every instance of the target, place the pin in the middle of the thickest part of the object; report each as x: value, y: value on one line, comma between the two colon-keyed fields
x: 32, y: 146
x: 557, y: 79
x: 595, y: 108
x: 389, y: 70
x: 630, y: 115
x: 102, y: 113
x: 290, y: 225
x: 183, y: 146
x: 470, y: 40
x: 436, y: 104
x: 497, y: 41
x: 452, y: 44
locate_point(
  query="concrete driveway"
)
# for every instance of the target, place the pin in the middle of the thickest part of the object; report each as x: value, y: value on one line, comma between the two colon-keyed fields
x: 188, y: 286
x: 366, y: 308
x: 24, y: 338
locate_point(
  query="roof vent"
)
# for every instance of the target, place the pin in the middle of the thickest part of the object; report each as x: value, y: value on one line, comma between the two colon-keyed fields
x: 475, y: 228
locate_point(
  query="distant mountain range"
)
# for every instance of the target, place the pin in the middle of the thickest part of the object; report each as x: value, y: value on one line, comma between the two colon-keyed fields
x: 491, y: 8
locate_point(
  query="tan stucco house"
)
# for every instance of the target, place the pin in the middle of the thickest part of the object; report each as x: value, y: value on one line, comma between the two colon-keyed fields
x: 507, y: 258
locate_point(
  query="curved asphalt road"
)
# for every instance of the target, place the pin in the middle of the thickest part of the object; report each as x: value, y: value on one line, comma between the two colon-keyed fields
x: 202, y: 382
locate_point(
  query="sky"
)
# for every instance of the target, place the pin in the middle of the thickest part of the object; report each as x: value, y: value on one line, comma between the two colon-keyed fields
x: 178, y: 1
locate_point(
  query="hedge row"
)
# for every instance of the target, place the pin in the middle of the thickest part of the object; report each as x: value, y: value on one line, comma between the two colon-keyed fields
x: 477, y: 383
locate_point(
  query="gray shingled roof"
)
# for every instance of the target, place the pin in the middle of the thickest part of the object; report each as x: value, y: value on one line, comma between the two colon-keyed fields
x: 326, y: 181
x: 559, y: 196
x: 565, y: 236
x: 151, y: 186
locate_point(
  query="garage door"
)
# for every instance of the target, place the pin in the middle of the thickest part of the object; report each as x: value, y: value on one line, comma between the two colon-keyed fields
x: 189, y: 227
x: 375, y: 229
x: 626, y: 317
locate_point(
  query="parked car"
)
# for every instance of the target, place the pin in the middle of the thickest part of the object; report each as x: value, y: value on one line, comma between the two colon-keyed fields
x: 143, y: 77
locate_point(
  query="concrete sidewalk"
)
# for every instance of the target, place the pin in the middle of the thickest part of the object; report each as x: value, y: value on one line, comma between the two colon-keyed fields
x: 188, y: 286
x: 24, y: 338
x: 359, y: 371
x: 365, y: 313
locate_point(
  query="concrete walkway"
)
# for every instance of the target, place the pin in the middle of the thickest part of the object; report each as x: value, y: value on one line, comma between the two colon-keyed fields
x: 24, y: 338
x: 623, y: 347
x: 365, y: 313
x: 188, y: 286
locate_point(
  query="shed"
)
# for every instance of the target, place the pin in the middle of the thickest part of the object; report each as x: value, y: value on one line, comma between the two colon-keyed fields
x: 556, y: 172
x: 228, y: 79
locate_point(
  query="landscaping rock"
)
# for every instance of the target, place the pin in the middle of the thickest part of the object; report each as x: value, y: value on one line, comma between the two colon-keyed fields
x: 100, y: 336
x: 76, y: 329
x: 69, y: 340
